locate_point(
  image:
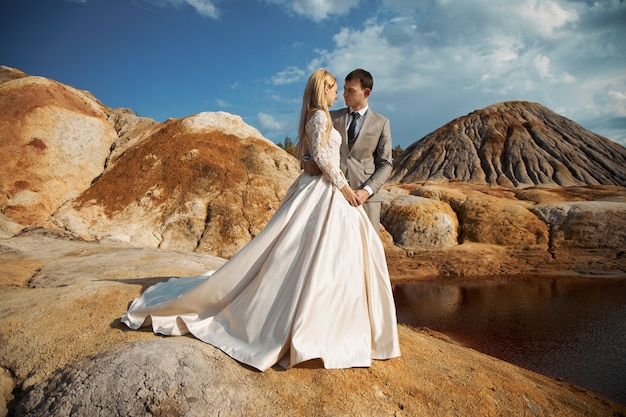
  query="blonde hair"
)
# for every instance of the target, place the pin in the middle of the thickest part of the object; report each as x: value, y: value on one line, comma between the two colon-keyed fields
x: 314, y: 98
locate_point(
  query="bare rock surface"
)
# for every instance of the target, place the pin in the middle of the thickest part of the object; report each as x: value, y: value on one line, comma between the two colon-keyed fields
x: 58, y: 139
x: 66, y: 352
x: 42, y: 258
x: 8, y: 73
x: 585, y: 225
x: 415, y: 221
x: 504, y: 231
x: 513, y: 144
x: 208, y: 182
x: 194, y: 379
x: 187, y: 186
x: 131, y: 130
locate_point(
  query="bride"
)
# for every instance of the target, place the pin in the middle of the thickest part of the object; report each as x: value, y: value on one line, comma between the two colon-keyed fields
x: 312, y: 285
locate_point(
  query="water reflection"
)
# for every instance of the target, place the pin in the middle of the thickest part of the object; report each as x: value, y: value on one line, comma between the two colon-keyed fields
x: 567, y: 327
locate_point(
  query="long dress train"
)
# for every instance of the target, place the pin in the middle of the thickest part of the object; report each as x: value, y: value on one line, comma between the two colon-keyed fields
x: 312, y: 284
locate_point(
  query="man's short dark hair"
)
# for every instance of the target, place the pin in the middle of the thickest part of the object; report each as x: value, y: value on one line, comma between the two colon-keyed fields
x: 363, y: 77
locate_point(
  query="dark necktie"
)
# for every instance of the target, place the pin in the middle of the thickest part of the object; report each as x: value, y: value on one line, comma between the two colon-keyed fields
x: 352, y: 128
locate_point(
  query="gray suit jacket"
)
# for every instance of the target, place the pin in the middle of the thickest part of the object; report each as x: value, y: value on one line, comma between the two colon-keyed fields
x: 369, y: 162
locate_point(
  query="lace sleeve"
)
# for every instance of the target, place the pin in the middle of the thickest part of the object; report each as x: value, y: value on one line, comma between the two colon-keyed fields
x: 322, y: 154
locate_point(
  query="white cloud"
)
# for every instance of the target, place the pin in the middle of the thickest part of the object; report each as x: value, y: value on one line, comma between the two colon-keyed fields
x: 316, y: 10
x: 269, y: 125
x: 203, y: 7
x: 288, y: 76
x: 618, y: 98
x: 542, y: 63
x: 436, y: 56
x: 545, y: 16
x: 606, y: 110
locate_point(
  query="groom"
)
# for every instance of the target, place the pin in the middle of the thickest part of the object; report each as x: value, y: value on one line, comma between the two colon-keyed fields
x: 366, y: 144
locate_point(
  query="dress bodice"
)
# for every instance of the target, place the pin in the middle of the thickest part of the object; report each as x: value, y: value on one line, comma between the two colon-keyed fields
x: 326, y: 154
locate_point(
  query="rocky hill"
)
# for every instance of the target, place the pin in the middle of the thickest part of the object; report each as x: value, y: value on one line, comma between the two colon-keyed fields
x: 207, y: 182
x: 509, y: 177
x: 98, y: 203
x: 513, y: 144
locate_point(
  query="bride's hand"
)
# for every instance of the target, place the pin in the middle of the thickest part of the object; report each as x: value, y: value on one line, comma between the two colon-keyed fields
x: 350, y: 195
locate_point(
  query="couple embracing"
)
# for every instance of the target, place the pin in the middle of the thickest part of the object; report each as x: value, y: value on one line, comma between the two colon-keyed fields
x: 365, y: 143
x: 313, y: 284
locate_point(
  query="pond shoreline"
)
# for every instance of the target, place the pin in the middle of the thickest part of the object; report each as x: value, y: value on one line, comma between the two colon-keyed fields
x: 567, y: 327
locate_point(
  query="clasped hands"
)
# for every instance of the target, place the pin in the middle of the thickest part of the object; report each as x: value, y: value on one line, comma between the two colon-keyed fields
x: 354, y: 197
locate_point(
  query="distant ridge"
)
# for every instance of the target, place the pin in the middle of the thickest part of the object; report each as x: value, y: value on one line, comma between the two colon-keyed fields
x: 513, y: 144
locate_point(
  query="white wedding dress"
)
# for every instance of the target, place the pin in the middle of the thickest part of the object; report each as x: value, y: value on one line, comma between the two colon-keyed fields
x: 312, y: 285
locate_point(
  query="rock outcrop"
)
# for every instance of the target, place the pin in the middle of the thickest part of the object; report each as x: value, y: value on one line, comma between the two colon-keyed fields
x: 54, y: 140
x: 207, y: 182
x: 513, y: 144
x: 493, y: 230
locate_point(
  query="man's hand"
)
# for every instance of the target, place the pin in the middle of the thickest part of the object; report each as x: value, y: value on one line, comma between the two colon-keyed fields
x: 310, y: 167
x: 361, y: 196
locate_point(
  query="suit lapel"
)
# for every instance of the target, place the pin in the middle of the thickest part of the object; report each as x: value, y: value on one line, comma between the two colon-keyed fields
x: 341, y: 126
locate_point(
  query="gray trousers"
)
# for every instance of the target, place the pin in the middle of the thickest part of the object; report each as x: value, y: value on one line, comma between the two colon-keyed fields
x: 373, y: 212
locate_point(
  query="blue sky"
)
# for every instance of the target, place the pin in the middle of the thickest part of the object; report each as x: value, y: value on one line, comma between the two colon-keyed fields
x: 432, y: 60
